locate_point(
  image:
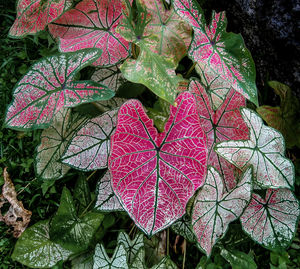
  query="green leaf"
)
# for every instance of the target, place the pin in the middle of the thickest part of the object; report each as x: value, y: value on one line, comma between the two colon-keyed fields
x: 69, y: 230
x: 84, y: 261
x: 35, y: 248
x: 183, y: 227
x: 238, y: 259
x: 82, y: 195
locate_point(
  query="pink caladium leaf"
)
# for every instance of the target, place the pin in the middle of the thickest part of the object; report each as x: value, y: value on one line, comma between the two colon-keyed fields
x: 220, y: 53
x: 48, y: 86
x: 90, y: 146
x: 53, y: 144
x: 34, y: 15
x: 155, y: 174
x: 264, y: 150
x: 272, y: 221
x: 106, y: 198
x: 92, y: 24
x: 214, y: 208
x: 226, y: 123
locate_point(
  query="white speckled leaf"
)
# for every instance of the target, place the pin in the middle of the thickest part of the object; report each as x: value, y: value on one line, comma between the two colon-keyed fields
x: 53, y: 143
x: 106, y: 198
x: 264, y: 150
x: 139, y: 260
x: 90, y: 146
x: 272, y: 221
x: 214, y: 209
x: 118, y: 260
x: 35, y: 248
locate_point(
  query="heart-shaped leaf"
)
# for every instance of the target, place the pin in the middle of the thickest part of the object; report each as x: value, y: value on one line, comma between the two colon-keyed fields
x: 272, y: 221
x: 226, y: 123
x: 53, y: 143
x: 154, y: 175
x: 71, y: 231
x: 92, y: 24
x: 34, y: 15
x: 106, y: 198
x: 118, y: 260
x: 214, y: 209
x: 48, y: 86
x: 35, y: 248
x: 218, y: 52
x: 90, y: 146
x: 131, y: 246
x: 264, y: 150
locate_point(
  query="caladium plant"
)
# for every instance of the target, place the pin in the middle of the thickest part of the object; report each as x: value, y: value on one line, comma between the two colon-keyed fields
x: 198, y: 170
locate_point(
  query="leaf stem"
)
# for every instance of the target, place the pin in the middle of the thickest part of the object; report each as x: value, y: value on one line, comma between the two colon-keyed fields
x: 168, y: 241
x: 190, y: 70
x: 93, y: 173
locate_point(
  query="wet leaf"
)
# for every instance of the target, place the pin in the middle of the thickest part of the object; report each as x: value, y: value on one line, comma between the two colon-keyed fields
x: 34, y: 15
x: 106, y: 198
x: 264, y: 150
x: 48, y: 86
x: 155, y: 174
x: 225, y: 123
x: 92, y: 24
x: 53, y: 143
x: 16, y: 210
x: 90, y: 146
x: 272, y: 221
x: 215, y: 208
x: 219, y: 53
x: 34, y: 246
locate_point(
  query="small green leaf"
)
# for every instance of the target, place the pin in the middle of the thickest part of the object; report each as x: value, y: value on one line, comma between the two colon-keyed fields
x: 36, y: 250
x: 82, y: 195
x: 238, y: 259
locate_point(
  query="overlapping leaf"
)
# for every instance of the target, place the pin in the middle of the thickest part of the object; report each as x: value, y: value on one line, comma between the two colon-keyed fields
x: 53, y: 143
x: 48, y: 86
x: 154, y: 175
x: 106, y: 198
x: 226, y: 123
x: 92, y: 24
x: 118, y: 260
x: 184, y: 228
x: 272, y: 221
x: 34, y: 15
x: 214, y: 208
x: 35, y: 248
x: 157, y: 33
x: 110, y: 104
x: 90, y: 146
x: 220, y: 54
x: 264, y: 150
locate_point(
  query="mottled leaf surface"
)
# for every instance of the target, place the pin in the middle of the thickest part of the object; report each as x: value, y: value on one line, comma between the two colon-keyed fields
x: 106, y: 198
x: 225, y: 123
x: 215, y: 208
x: 218, y: 52
x: 35, y: 248
x: 264, y: 150
x: 34, y: 15
x: 48, y: 86
x: 92, y: 24
x: 118, y: 260
x: 71, y: 231
x: 90, y: 146
x: 53, y: 143
x: 184, y: 228
x: 272, y: 221
x: 155, y: 174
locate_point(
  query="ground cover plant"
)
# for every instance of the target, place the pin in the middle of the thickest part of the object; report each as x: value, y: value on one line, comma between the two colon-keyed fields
x: 146, y: 125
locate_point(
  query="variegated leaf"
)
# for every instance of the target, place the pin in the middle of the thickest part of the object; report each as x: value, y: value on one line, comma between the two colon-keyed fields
x: 53, y: 143
x: 90, y: 146
x: 34, y: 15
x: 48, y: 86
x: 215, y: 208
x: 218, y: 52
x: 184, y: 228
x: 106, y: 198
x: 272, y: 221
x: 131, y: 246
x: 226, y: 123
x: 264, y: 150
x: 118, y: 260
x: 92, y: 24
x: 154, y: 175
